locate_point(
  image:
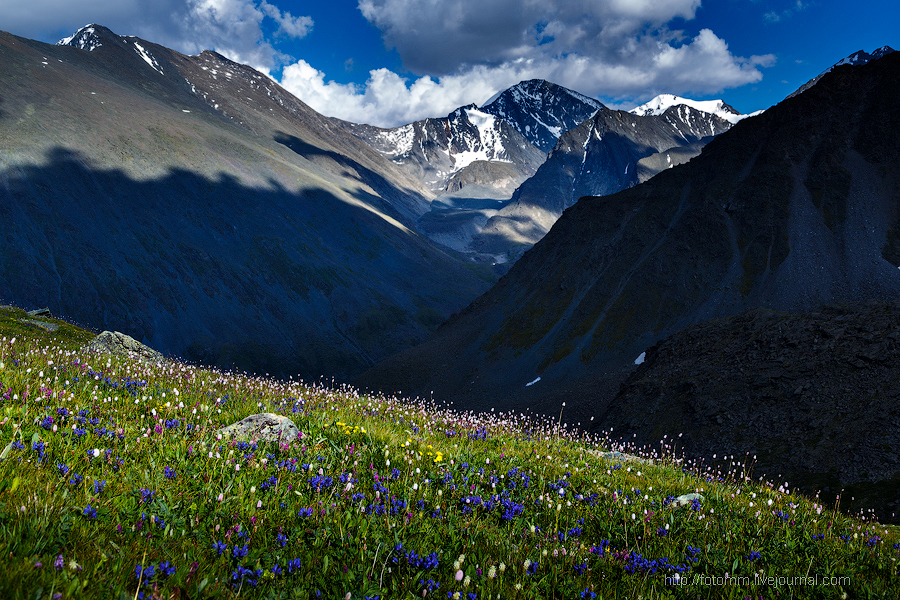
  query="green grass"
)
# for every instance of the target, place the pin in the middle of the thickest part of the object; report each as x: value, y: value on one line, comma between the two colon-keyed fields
x: 113, y: 485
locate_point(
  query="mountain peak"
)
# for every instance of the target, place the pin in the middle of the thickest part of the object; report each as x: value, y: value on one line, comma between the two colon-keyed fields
x: 90, y: 37
x: 541, y: 110
x: 858, y: 58
x: 663, y: 102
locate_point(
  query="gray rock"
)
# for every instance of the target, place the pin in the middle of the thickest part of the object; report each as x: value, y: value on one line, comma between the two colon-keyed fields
x: 621, y: 457
x: 686, y: 500
x: 120, y: 344
x: 262, y: 427
x: 40, y: 312
x: 41, y: 324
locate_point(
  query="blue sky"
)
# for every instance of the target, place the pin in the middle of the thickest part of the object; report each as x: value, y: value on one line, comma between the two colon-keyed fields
x: 389, y: 62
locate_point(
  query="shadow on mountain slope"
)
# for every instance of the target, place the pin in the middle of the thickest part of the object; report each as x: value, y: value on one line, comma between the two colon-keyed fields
x: 310, y: 281
x: 355, y: 171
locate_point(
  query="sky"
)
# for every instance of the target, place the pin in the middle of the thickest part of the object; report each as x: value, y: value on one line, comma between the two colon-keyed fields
x: 391, y: 62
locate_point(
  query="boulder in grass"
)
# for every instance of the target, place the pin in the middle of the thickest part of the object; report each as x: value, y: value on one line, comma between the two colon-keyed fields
x: 117, y: 343
x: 686, y: 500
x: 262, y: 427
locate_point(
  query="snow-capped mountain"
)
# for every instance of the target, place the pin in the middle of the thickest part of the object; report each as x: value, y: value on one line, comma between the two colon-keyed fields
x: 541, y: 111
x: 856, y: 59
x: 659, y: 105
x: 609, y: 152
x: 475, y: 158
x: 434, y: 150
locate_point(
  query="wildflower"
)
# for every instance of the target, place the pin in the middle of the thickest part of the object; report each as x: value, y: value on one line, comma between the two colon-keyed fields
x: 58, y: 563
x: 459, y: 575
x: 90, y: 512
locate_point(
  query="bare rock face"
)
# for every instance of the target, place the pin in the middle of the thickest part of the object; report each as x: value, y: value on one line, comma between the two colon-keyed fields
x: 262, y: 427
x: 120, y: 344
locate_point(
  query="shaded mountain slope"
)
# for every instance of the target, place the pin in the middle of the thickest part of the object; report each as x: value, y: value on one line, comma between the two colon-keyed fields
x: 814, y: 397
x: 856, y: 59
x: 598, y: 157
x: 193, y: 204
x: 791, y: 209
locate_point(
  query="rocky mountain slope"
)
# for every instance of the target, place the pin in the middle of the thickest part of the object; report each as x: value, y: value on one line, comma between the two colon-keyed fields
x: 542, y: 111
x: 856, y: 59
x: 609, y: 152
x: 794, y: 208
x: 194, y: 204
x: 814, y: 397
x: 435, y: 151
x: 476, y: 159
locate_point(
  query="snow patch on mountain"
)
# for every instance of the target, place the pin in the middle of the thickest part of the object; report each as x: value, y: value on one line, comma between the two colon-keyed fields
x: 399, y: 140
x: 148, y: 58
x: 663, y: 102
x: 488, y: 146
x: 85, y: 38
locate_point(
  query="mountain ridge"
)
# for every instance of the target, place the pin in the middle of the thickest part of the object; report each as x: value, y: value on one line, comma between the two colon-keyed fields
x: 194, y: 204
x: 780, y: 211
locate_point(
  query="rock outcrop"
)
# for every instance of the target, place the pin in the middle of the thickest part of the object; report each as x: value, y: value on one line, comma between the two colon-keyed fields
x: 114, y: 342
x: 263, y: 428
x: 814, y: 397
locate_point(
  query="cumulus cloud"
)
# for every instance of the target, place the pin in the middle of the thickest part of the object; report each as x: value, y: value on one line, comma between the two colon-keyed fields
x: 456, y: 51
x: 436, y: 36
x: 646, y: 67
x: 232, y: 27
x: 387, y: 99
x: 466, y: 50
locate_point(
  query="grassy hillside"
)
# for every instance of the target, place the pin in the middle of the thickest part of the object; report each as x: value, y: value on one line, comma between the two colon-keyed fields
x: 113, y: 484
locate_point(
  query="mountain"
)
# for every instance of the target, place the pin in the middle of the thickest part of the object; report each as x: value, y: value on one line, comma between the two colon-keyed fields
x: 611, y: 151
x: 435, y: 151
x: 813, y: 397
x: 856, y: 59
x: 541, y: 111
x: 475, y: 158
x: 659, y: 105
x: 789, y: 210
x: 192, y: 203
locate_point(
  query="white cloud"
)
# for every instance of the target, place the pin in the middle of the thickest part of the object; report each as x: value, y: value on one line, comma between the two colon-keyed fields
x: 458, y: 51
x: 233, y: 28
x: 649, y: 66
x: 436, y: 36
x: 290, y: 26
x: 388, y: 100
